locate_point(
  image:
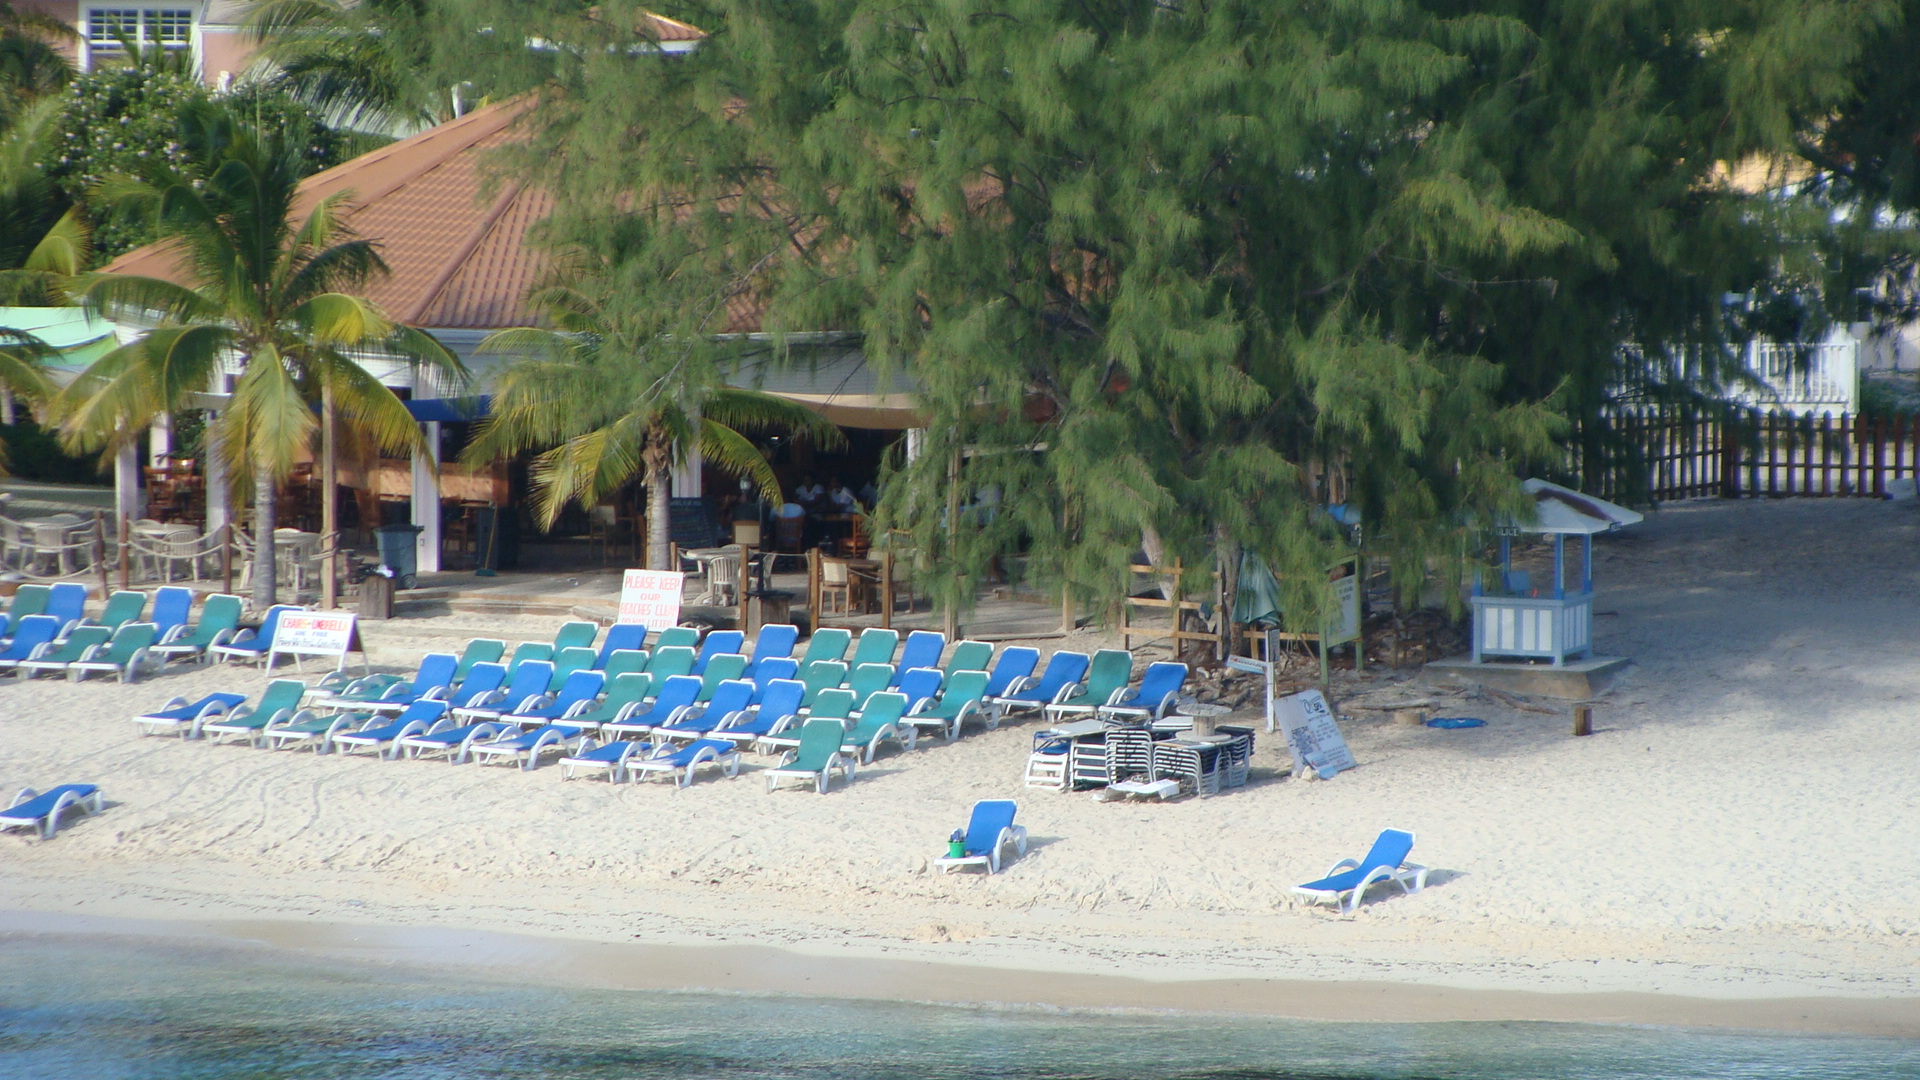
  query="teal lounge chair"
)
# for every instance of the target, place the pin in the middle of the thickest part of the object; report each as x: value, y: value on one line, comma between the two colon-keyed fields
x: 124, y: 656
x: 566, y: 662
x: 879, y: 722
x: 1386, y: 861
x: 971, y: 656
x: 56, y: 655
x: 723, y: 668
x: 479, y: 651
x: 990, y: 832
x: 868, y: 680
x: 669, y: 661
x: 876, y: 646
x: 625, y: 693
x: 575, y: 635
x: 677, y: 637
x: 219, y: 620
x: 626, y: 662
x: 820, y: 676
x: 816, y: 758
x: 1111, y: 671
x: 959, y: 702
x: 28, y: 599
x: 279, y: 701
x: 826, y: 644
x: 122, y: 608
x: 835, y: 705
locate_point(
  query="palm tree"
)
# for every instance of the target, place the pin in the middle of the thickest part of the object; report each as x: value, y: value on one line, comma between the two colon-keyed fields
x: 43, y: 244
x: 366, y: 63
x: 604, y: 400
x: 268, y: 297
x: 31, y: 63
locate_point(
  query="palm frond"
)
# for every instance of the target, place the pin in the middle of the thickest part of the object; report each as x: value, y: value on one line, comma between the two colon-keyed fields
x: 269, y: 415
x: 732, y: 453
x: 119, y: 296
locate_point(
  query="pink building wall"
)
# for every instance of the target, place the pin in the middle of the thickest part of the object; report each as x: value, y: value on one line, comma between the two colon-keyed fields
x: 222, y: 48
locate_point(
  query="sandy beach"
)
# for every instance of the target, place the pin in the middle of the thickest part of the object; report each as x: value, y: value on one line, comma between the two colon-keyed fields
x: 1736, y: 830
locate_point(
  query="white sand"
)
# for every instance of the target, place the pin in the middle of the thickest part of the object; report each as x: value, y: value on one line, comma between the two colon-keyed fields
x: 1741, y: 824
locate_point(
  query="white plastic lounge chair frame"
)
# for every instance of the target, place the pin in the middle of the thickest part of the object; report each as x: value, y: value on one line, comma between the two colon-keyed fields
x: 588, y: 757
x: 186, y: 726
x: 510, y: 746
x: 678, y: 763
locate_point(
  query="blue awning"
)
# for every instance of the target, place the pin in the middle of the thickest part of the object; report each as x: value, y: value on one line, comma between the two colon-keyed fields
x: 449, y: 410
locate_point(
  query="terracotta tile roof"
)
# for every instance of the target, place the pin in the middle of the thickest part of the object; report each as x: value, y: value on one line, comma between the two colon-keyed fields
x: 458, y: 260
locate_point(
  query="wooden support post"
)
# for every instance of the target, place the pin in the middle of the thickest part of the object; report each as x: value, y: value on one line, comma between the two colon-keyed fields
x: 100, y: 553
x: 886, y: 589
x: 813, y: 589
x: 1583, y: 719
x: 126, y: 553
x: 740, y: 587
x: 226, y: 558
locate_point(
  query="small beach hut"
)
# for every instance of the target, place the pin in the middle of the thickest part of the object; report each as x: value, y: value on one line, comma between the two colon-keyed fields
x: 1531, y: 620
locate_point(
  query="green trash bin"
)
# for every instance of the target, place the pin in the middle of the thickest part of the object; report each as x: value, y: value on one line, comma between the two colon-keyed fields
x: 398, y: 552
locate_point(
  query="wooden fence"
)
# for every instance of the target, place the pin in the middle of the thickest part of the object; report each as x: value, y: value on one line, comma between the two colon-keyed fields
x: 1659, y: 455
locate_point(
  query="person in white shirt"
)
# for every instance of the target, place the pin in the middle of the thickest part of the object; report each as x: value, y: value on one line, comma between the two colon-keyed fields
x: 842, y: 498
x: 809, y: 493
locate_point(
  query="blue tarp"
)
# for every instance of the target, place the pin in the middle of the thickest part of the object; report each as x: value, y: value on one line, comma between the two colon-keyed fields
x: 449, y: 410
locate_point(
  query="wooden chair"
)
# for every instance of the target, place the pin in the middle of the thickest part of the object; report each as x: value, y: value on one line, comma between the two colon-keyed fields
x: 836, y: 581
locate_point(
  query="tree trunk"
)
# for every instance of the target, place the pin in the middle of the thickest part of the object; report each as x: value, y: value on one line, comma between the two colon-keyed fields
x: 329, y: 528
x: 659, y: 519
x: 265, y: 571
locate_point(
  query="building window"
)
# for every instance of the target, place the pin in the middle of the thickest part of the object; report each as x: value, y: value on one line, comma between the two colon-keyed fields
x: 168, y: 27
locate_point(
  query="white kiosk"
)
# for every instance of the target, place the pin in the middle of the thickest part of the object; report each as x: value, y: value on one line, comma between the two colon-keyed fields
x: 1527, y: 620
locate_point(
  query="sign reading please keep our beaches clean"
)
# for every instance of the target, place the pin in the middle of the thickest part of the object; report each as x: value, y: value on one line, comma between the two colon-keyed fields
x: 651, y: 598
x: 314, y: 633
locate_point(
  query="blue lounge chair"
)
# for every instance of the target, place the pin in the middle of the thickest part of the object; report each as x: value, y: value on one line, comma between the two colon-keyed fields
x: 388, y: 692
x: 990, y: 831
x: 973, y: 656
x: 251, y: 646
x: 777, y: 710
x: 67, y: 601
x: 219, y: 622
x: 876, y: 646
x: 829, y: 643
x: 879, y: 722
x: 609, y: 757
x: 526, y: 747
x: 1386, y: 861
x: 33, y: 633
x: 381, y: 734
x: 1062, y: 677
x: 576, y: 695
x: 678, y: 764
x: 718, y: 643
x: 775, y: 642
x: 185, y: 717
x: 1015, y: 665
x: 575, y: 635
x: 960, y: 700
x: 920, y: 685
x: 454, y: 742
x: 620, y: 636
x: 41, y: 811
x: 314, y: 729
x: 817, y: 757
x: 1157, y: 691
x: 526, y: 690
x: 922, y: 650
x: 729, y: 702
x: 676, y: 696
x: 474, y: 691
x: 762, y: 673
x: 172, y: 607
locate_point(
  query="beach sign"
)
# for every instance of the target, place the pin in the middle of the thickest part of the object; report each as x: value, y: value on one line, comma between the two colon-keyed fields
x: 651, y: 598
x: 315, y: 633
x: 1313, y: 738
x: 1343, y: 618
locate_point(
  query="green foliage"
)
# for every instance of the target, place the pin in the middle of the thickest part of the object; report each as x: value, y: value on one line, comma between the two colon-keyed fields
x: 1162, y: 272
x: 35, y: 453
x: 31, y: 63
x: 260, y: 288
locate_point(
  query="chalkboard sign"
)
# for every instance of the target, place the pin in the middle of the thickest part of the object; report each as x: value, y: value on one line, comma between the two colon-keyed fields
x: 692, y: 523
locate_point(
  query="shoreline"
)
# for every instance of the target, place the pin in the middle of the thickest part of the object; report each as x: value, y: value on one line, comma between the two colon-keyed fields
x: 852, y: 973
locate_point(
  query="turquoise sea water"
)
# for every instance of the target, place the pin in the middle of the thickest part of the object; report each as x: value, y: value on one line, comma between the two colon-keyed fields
x: 76, y: 1008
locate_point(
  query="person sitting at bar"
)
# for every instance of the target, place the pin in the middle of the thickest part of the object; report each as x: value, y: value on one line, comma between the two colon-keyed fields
x: 842, y: 498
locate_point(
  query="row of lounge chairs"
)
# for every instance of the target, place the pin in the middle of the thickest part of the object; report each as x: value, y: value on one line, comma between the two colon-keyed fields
x: 46, y: 631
